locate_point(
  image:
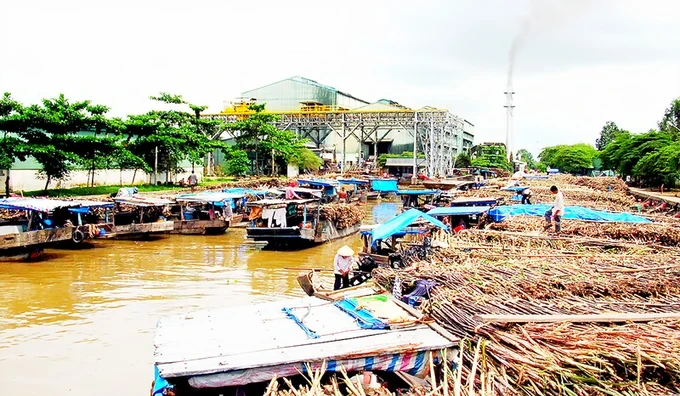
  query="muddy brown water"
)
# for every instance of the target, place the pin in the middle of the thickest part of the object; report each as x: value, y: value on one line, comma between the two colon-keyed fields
x: 81, y: 322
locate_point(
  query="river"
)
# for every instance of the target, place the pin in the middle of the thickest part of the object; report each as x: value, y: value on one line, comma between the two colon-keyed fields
x: 81, y: 322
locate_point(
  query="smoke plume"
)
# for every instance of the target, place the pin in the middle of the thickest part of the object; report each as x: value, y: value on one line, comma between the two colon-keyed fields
x: 543, y: 15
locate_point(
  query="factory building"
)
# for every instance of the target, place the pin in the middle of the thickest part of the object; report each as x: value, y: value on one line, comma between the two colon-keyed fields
x: 344, y: 128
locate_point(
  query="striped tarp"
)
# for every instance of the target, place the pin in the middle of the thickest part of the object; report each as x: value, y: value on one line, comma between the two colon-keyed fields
x: 414, y: 363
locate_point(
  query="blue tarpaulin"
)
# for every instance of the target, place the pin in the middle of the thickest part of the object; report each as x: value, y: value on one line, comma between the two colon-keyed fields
x: 458, y: 210
x: 418, y: 192
x: 384, y: 185
x: 399, y: 223
x: 499, y: 213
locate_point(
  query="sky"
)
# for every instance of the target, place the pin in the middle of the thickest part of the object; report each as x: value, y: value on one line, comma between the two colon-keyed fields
x: 579, y: 63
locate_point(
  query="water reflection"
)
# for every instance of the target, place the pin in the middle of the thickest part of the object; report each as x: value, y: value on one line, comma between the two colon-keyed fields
x: 70, y: 323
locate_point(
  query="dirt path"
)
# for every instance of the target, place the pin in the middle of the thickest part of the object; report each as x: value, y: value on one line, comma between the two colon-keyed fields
x: 668, y: 197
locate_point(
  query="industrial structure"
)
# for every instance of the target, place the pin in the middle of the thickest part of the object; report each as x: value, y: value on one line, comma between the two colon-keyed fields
x: 509, y: 120
x: 350, y: 129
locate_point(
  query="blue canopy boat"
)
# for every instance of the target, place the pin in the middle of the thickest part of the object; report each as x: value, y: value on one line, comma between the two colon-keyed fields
x: 45, y: 222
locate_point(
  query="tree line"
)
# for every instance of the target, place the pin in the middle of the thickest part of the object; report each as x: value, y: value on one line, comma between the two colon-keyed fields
x: 64, y: 135
x: 651, y: 158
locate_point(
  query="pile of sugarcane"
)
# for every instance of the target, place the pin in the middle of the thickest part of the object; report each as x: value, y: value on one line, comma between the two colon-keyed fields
x: 666, y: 234
x: 540, y: 314
x: 342, y: 215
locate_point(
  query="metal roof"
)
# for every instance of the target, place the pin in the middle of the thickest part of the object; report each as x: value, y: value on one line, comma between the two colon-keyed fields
x: 304, y: 80
x: 404, y: 162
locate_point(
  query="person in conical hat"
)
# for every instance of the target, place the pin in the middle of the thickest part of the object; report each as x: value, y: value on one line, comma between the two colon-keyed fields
x: 342, y: 265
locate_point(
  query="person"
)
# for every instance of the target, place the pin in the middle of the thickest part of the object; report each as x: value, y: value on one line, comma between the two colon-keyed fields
x: 290, y: 193
x: 193, y: 179
x: 556, y: 212
x: 342, y: 265
x: 526, y: 196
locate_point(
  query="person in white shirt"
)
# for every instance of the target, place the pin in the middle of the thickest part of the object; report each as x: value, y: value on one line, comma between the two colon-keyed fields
x: 556, y: 212
x: 342, y: 265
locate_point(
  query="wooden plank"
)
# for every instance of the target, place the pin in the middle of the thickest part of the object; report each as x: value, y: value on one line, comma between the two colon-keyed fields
x: 329, y: 322
x: 390, y: 342
x: 595, y: 318
x: 35, y: 238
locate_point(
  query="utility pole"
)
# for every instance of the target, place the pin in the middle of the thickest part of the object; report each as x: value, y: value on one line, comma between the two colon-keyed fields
x: 414, y: 178
x: 155, y: 166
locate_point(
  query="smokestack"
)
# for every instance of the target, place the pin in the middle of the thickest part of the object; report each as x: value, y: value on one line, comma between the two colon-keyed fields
x: 509, y: 108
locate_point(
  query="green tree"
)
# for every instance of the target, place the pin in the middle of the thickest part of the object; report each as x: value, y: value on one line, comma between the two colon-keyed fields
x: 258, y: 134
x: 569, y: 158
x: 671, y: 119
x: 165, y: 138
x: 305, y: 159
x: 626, y: 150
x: 12, y: 145
x: 608, y: 133
x: 525, y: 156
x: 51, y: 132
x: 490, y: 156
x: 661, y: 166
x: 463, y: 160
x: 237, y: 162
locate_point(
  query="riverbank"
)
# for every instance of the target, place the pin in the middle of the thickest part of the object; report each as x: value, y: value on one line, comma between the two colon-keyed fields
x: 670, y: 197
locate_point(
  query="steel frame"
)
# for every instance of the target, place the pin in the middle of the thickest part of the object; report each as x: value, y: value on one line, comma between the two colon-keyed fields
x: 438, y: 133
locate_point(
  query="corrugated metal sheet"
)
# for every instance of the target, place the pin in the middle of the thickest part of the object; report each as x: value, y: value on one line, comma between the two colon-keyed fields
x: 404, y: 162
x: 261, y: 336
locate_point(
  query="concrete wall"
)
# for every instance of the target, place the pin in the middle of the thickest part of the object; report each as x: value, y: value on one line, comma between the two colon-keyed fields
x: 28, y: 180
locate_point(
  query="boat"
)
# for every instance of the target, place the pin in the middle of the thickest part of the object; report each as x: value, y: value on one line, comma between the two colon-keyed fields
x: 239, y: 347
x: 380, y: 242
x: 146, y: 218
x: 460, y: 217
x: 384, y: 186
x: 293, y: 224
x: 447, y: 184
x: 361, y: 188
x: 419, y: 199
x: 325, y: 189
x: 207, y: 213
x: 44, y: 223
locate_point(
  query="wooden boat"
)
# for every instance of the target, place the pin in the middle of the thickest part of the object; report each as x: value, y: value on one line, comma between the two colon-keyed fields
x: 213, y: 221
x: 139, y: 224
x: 288, y: 230
x: 447, y: 184
x: 213, y: 351
x: 310, y: 285
x: 25, y: 239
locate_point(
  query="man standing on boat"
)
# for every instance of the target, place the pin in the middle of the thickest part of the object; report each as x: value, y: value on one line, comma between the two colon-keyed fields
x: 342, y: 265
x: 556, y: 212
x: 290, y: 192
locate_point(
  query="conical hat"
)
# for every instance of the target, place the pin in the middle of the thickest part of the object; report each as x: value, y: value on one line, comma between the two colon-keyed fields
x: 346, y: 251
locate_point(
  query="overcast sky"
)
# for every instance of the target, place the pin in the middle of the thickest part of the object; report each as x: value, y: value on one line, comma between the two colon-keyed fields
x: 581, y: 63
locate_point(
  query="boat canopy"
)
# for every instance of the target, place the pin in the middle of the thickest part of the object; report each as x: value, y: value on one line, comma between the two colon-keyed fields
x: 250, y: 191
x: 400, y: 223
x: 268, y: 202
x: 36, y: 204
x: 313, y: 192
x: 458, y: 210
x: 418, y: 192
x: 474, y: 202
x: 356, y: 182
x: 384, y: 185
x: 209, y: 197
x: 319, y: 182
x: 143, y: 201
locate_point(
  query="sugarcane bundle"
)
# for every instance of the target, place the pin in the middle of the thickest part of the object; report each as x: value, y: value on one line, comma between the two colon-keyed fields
x: 342, y: 215
x: 656, y: 233
x: 556, y: 357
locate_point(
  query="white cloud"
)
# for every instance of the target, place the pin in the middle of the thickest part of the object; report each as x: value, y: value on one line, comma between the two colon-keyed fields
x: 613, y: 60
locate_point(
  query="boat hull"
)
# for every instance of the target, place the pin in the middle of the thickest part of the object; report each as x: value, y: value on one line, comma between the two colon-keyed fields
x: 131, y: 231
x: 200, y: 227
x: 297, y: 238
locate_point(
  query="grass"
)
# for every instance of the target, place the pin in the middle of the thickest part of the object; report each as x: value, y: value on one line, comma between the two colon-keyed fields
x: 106, y: 190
